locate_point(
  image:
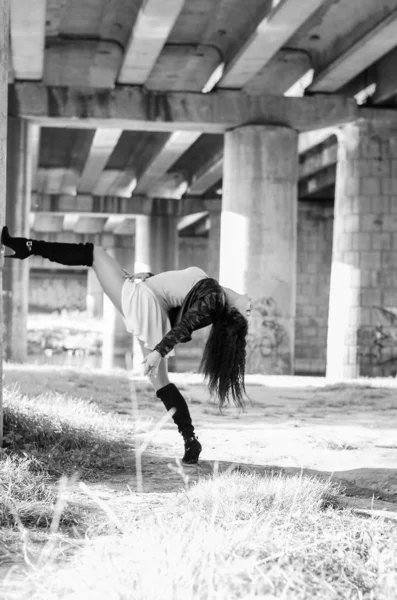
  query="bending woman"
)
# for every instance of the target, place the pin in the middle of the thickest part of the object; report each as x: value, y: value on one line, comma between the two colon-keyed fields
x: 161, y: 311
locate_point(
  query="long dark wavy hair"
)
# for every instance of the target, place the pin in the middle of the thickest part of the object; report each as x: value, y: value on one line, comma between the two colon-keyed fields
x: 223, y: 361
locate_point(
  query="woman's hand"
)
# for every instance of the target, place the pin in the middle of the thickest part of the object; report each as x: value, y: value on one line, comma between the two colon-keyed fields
x: 141, y: 276
x: 151, y: 362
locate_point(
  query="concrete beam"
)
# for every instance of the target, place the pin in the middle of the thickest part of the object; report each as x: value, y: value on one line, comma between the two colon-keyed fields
x: 70, y: 222
x: 316, y: 184
x: 55, y: 180
x: 48, y: 223
x: 27, y: 29
x: 85, y: 63
x: 170, y: 185
x: 203, y: 226
x: 114, y: 182
x: 270, y: 35
x: 383, y: 73
x: 96, y: 206
x: 126, y: 227
x: 208, y: 175
x: 112, y: 222
x: 152, y: 27
x: 102, y: 147
x: 385, y: 78
x: 190, y: 220
x: 362, y: 53
x: 317, y: 160
x: 176, y: 145
x: 120, y: 225
x: 91, y: 225
x: 280, y: 73
x: 310, y: 139
x: 183, y: 67
x: 132, y: 108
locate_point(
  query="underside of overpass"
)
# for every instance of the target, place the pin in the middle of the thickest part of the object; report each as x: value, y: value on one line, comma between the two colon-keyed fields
x: 123, y: 112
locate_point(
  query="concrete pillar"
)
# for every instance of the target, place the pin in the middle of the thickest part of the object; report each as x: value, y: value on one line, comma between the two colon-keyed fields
x: 16, y: 272
x: 95, y: 296
x: 116, y: 339
x: 156, y: 243
x: 258, y: 238
x: 156, y: 250
x: 214, y: 243
x: 363, y: 288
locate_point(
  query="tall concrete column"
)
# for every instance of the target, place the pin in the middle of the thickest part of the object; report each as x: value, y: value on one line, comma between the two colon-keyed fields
x: 214, y: 242
x: 156, y: 250
x: 156, y: 243
x: 95, y: 295
x: 116, y: 339
x: 16, y: 272
x: 258, y: 238
x: 363, y: 288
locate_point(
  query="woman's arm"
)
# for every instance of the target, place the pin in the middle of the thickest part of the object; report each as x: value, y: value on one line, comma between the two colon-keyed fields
x: 200, y: 314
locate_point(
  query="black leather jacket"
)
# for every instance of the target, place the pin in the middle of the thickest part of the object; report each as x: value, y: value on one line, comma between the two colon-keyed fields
x: 201, y: 307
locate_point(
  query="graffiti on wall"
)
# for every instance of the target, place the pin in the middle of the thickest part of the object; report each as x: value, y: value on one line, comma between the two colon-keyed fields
x: 268, y: 340
x: 377, y: 344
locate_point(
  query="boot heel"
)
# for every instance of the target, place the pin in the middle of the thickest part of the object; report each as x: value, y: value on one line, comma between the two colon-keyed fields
x: 192, y: 451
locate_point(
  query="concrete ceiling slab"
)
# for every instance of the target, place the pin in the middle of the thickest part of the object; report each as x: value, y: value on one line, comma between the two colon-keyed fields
x: 92, y: 19
x: 280, y: 73
x: 269, y: 37
x: 113, y: 182
x: 150, y: 32
x: 55, y: 180
x: 103, y: 144
x: 86, y: 63
x: 362, y: 53
x: 175, y: 146
x: 186, y: 68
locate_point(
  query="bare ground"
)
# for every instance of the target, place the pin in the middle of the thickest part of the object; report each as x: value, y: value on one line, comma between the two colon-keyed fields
x: 292, y: 425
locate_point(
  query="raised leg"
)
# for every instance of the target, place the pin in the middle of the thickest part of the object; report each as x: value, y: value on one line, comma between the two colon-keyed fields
x: 110, y: 275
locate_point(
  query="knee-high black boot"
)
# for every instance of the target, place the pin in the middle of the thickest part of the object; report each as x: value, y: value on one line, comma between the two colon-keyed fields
x: 171, y: 397
x: 65, y: 254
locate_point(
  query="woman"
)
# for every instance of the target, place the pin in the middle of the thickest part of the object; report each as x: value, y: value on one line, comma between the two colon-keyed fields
x: 161, y: 311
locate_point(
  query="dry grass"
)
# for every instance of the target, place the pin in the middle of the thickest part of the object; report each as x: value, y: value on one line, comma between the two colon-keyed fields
x: 229, y: 536
x: 45, y: 437
x: 64, y: 434
x: 232, y: 536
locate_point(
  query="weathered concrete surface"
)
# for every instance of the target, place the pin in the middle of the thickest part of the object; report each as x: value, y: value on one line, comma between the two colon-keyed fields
x: 149, y: 34
x: 258, y: 238
x: 91, y: 206
x: 136, y: 109
x: 175, y: 146
x: 16, y: 272
x: 156, y: 251
x: 116, y: 340
x: 363, y: 292
x: 269, y: 37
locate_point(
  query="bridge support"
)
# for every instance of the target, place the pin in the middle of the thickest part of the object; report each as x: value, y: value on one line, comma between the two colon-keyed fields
x: 156, y: 250
x: 363, y: 289
x: 16, y: 272
x: 258, y: 238
x: 116, y: 340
